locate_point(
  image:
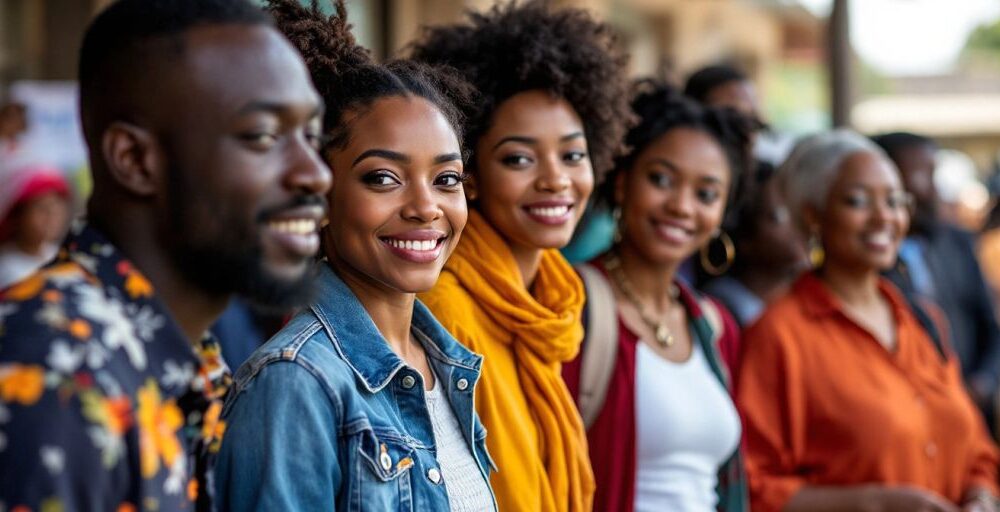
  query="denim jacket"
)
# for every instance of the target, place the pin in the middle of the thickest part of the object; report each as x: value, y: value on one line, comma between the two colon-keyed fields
x: 325, y: 416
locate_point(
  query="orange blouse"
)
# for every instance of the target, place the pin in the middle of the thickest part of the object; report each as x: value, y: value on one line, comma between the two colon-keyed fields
x: 825, y: 404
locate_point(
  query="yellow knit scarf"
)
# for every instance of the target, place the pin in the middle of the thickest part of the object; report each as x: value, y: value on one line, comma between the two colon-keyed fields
x: 544, y: 326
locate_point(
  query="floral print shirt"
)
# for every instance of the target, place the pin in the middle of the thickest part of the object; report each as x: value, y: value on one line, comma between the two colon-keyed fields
x: 104, y: 403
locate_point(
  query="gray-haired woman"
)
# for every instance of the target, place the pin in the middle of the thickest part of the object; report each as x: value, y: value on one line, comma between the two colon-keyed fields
x: 849, y: 404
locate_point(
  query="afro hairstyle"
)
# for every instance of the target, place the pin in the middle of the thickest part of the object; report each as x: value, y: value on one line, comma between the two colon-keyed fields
x: 513, y: 48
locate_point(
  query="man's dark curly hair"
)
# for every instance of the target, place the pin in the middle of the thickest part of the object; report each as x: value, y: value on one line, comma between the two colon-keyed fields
x: 349, y: 80
x: 513, y: 48
x: 661, y: 108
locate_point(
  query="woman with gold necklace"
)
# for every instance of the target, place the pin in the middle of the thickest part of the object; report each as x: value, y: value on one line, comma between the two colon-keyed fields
x: 662, y: 429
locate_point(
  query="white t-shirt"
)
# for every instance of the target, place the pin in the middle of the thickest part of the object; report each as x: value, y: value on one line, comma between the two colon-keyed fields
x: 687, y: 427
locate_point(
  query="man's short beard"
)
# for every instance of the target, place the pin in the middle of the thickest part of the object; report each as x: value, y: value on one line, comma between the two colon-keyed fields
x: 223, y: 268
x: 221, y: 253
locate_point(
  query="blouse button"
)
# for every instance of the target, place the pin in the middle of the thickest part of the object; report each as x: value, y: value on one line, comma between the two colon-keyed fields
x: 409, y: 381
x: 462, y: 384
x: 434, y: 475
x: 931, y: 449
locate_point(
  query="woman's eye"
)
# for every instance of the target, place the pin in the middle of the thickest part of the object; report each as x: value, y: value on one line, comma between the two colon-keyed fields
x: 660, y: 179
x: 260, y: 139
x: 450, y: 179
x: 380, y: 179
x: 856, y: 201
x: 516, y: 161
x: 315, y: 139
x: 575, y: 156
x: 708, y: 196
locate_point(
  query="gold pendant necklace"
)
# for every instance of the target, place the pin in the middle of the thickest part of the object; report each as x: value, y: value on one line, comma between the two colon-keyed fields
x: 664, y: 337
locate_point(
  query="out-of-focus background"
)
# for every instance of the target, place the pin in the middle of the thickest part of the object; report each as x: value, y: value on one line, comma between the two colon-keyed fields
x: 926, y: 66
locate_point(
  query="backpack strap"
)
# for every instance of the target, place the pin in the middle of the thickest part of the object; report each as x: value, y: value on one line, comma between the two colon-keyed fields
x: 600, y: 343
x: 712, y: 348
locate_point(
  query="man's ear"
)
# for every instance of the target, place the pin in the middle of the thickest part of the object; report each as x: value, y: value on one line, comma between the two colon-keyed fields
x: 134, y: 158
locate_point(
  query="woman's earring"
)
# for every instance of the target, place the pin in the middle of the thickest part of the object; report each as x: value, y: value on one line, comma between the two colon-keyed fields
x: 816, y: 253
x: 727, y: 245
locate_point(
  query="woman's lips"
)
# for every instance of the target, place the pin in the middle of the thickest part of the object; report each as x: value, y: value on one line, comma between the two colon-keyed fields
x: 554, y: 213
x: 417, y: 246
x: 673, y: 233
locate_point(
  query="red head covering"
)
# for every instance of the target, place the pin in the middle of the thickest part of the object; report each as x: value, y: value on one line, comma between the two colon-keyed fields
x: 24, y: 184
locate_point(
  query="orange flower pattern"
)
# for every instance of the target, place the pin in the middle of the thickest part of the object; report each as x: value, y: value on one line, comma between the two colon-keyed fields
x: 94, y: 374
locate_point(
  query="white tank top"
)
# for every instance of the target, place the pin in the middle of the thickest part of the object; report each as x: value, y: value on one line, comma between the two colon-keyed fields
x: 687, y: 428
x: 465, y: 485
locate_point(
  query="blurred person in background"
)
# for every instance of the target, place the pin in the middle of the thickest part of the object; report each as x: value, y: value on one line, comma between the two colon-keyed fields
x: 201, y: 122
x: 13, y: 123
x: 724, y: 85
x: 551, y: 116
x: 849, y: 404
x: 35, y: 208
x: 938, y: 261
x: 988, y: 245
x: 769, y: 250
x: 666, y: 434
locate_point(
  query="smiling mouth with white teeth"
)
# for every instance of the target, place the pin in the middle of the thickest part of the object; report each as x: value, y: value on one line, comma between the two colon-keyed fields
x: 293, y: 226
x: 414, y: 245
x: 416, y: 251
x: 880, y: 239
x: 553, y: 211
x: 298, y: 236
x: 549, y: 214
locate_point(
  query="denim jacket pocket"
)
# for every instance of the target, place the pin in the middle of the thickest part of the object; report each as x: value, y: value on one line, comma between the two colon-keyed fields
x: 382, y: 478
x: 385, y: 455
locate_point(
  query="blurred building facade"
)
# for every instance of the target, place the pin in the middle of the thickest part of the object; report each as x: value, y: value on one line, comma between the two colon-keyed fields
x: 668, y: 38
x: 781, y: 44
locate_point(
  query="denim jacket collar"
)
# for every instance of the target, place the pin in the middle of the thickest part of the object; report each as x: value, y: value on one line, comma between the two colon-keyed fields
x: 358, y: 341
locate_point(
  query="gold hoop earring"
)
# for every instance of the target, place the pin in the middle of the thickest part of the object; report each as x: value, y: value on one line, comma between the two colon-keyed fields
x: 616, y: 215
x: 727, y: 245
x: 817, y: 255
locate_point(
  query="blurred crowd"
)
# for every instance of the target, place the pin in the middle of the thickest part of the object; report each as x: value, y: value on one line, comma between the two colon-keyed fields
x: 496, y: 274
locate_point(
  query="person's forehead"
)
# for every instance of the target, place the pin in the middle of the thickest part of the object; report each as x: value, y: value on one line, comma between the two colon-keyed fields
x: 232, y: 65
x: 866, y: 166
x: 537, y: 111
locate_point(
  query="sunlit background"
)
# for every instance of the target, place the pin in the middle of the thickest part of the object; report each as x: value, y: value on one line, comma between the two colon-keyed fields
x: 928, y: 66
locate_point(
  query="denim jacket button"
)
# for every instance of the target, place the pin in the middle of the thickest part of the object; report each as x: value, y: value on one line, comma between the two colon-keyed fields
x: 434, y: 475
x: 462, y: 384
x: 386, y: 461
x: 409, y: 381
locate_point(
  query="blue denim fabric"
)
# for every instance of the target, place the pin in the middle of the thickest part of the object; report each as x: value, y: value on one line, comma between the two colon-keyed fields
x: 326, y: 417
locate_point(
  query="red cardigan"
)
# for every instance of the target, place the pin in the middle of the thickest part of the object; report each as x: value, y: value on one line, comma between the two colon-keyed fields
x: 612, y: 454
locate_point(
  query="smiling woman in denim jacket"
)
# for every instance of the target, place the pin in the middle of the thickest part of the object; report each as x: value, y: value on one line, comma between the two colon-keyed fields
x: 363, y: 401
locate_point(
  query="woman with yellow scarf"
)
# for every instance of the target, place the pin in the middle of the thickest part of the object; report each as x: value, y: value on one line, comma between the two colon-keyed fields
x: 553, y: 110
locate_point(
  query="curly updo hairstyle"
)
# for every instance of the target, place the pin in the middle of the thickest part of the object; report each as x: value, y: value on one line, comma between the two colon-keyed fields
x: 349, y: 80
x: 514, y: 48
x: 662, y: 108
